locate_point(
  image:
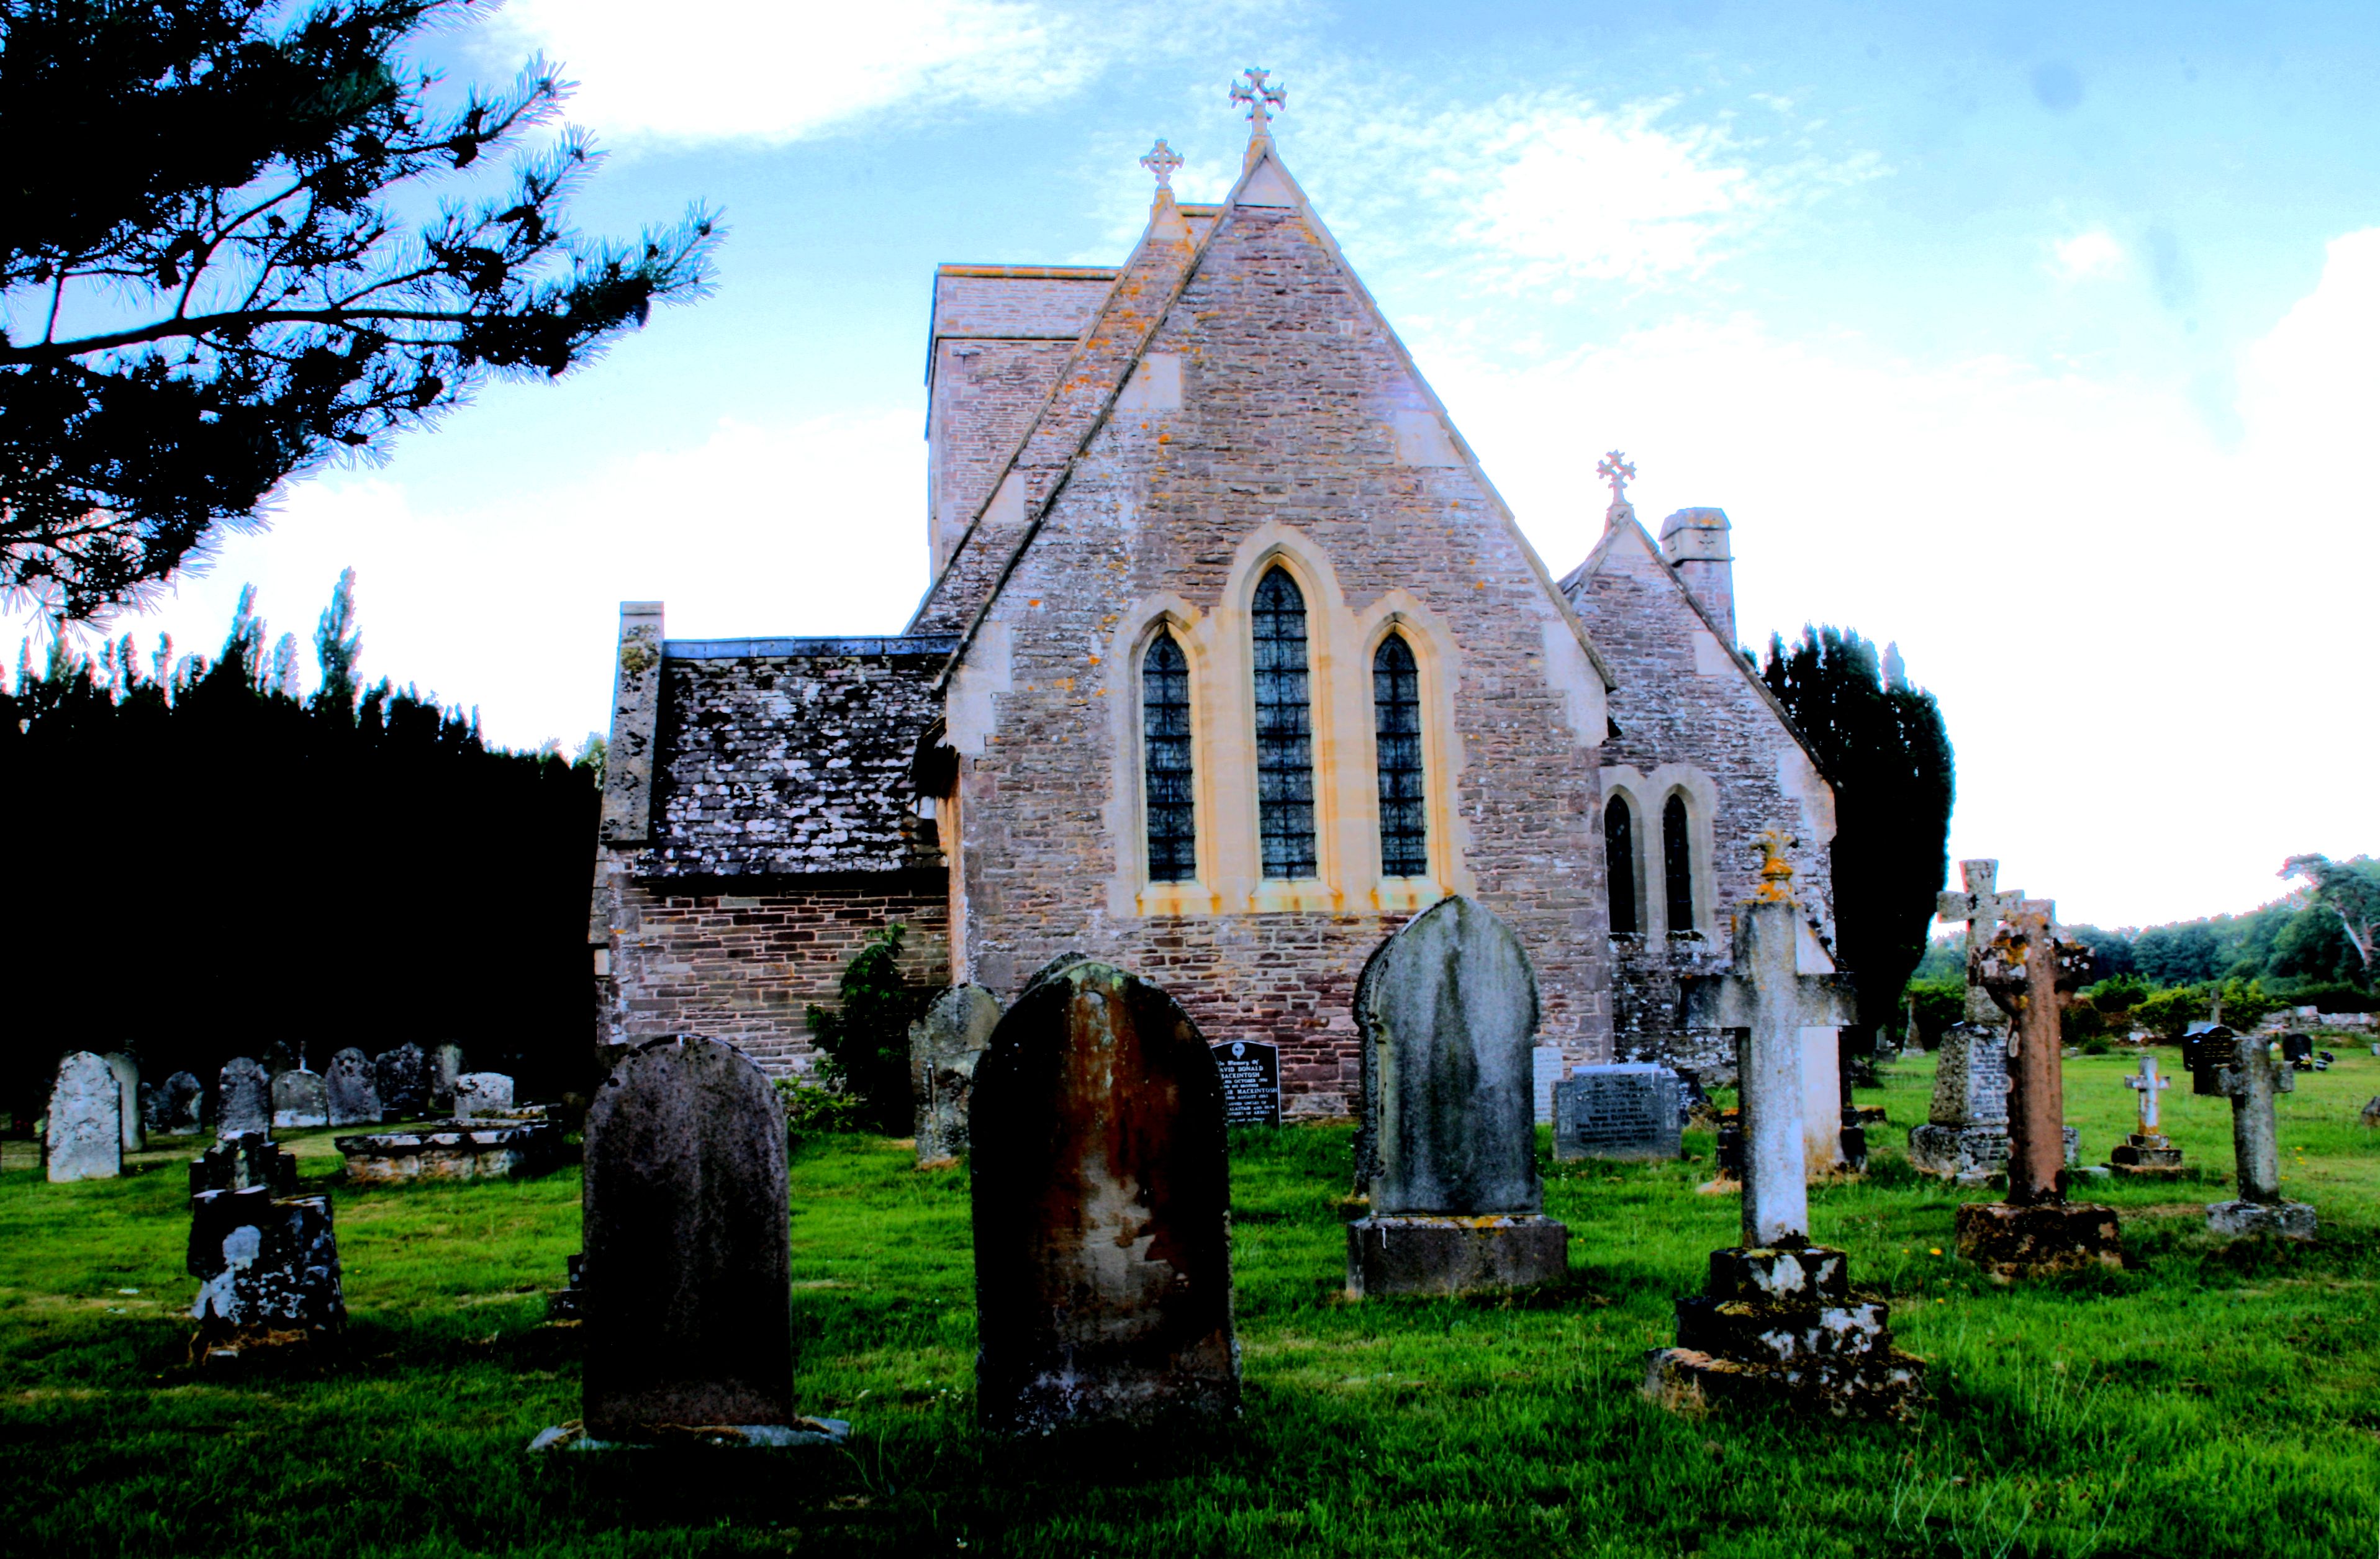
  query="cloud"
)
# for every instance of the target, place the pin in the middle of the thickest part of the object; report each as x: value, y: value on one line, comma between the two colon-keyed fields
x: 734, y: 69
x: 2091, y: 255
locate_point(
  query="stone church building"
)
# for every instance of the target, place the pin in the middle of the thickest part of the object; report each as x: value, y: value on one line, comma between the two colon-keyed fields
x: 1232, y: 660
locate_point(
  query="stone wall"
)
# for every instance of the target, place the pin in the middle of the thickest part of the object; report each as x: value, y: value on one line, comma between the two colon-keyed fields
x: 742, y: 962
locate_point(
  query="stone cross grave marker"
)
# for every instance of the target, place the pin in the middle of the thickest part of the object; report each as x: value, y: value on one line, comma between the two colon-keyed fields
x: 2147, y: 1152
x: 686, y: 1278
x: 945, y: 1045
x: 2247, y: 1072
x: 1982, y: 908
x: 1447, y: 1009
x: 1630, y: 1110
x: 243, y: 1098
x: 128, y: 1082
x: 402, y: 1080
x: 2148, y: 1085
x: 301, y: 1099
x: 351, y: 1095
x: 1250, y: 1071
x: 1101, y: 1189
x: 85, y: 1140
x: 1767, y: 998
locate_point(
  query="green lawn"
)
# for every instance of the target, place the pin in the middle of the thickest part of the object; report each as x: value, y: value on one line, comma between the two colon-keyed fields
x: 2209, y: 1400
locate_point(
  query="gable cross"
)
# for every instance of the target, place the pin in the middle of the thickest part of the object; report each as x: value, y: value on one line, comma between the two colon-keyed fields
x: 1982, y: 909
x: 1161, y: 160
x: 1260, y: 97
x: 1765, y: 995
x: 1615, y: 469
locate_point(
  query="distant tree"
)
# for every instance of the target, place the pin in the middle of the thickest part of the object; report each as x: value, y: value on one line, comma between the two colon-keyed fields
x: 2185, y: 954
x: 1882, y: 745
x: 2349, y: 889
x: 339, y: 647
x: 211, y: 282
x: 865, y: 1041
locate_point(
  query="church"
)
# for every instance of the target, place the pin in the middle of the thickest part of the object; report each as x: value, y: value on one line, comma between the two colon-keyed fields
x: 1232, y: 660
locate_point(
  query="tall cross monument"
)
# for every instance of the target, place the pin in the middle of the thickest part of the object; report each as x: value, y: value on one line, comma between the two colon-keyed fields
x: 1982, y: 909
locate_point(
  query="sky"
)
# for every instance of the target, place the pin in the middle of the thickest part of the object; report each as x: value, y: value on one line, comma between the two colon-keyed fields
x: 2042, y: 340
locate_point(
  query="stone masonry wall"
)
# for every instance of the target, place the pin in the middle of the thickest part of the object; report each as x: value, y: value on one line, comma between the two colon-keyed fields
x: 742, y: 962
x: 1298, y: 420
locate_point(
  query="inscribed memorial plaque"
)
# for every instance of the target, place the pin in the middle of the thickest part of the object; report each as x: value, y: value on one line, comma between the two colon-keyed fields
x: 1627, y: 1111
x: 1251, y: 1073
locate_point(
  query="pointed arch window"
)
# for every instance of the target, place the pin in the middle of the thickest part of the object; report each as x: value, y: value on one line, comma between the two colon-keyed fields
x: 1396, y: 718
x: 1678, y: 865
x: 1165, y: 762
x: 1284, y: 730
x: 1620, y: 864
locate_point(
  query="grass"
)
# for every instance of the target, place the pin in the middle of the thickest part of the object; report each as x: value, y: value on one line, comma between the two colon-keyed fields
x: 2209, y: 1400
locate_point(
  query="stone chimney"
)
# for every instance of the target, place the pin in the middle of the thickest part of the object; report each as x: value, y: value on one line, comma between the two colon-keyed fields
x: 1694, y: 540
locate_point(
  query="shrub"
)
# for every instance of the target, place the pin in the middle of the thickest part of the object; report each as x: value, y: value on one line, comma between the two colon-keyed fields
x: 864, y: 1043
x: 817, y: 1110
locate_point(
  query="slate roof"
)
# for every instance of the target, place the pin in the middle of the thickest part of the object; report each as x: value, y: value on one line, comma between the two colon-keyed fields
x: 791, y: 757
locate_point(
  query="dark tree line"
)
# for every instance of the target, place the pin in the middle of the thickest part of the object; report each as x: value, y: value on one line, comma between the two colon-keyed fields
x: 204, y: 864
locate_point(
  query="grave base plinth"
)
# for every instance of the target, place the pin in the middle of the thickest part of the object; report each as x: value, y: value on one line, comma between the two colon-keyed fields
x: 1781, y: 1326
x: 771, y: 1436
x: 2145, y: 1156
x: 2285, y: 1220
x: 1970, y: 1156
x: 1424, y: 1253
x: 2009, y: 1242
x: 455, y: 1150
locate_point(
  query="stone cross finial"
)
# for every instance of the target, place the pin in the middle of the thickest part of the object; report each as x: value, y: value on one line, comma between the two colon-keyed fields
x: 1161, y: 160
x: 1614, y: 468
x: 1768, y: 996
x: 1982, y: 909
x: 1261, y: 98
x: 2148, y: 1084
x: 1776, y: 872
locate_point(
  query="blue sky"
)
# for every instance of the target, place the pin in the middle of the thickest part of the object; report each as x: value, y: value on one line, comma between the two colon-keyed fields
x: 2043, y: 340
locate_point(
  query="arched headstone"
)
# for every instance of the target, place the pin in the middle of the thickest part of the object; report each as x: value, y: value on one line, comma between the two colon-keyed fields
x: 688, y: 1272
x: 128, y: 1082
x: 301, y: 1099
x: 1102, y: 1204
x: 402, y: 1081
x: 85, y: 1140
x: 243, y: 1098
x: 351, y: 1094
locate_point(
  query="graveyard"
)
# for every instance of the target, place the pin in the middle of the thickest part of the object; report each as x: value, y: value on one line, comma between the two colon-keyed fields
x: 2212, y: 1397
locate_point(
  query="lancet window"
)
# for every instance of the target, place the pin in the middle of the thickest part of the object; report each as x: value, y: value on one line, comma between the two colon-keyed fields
x: 1677, y: 865
x: 1620, y: 864
x: 1396, y: 720
x: 1165, y: 762
x: 1284, y: 730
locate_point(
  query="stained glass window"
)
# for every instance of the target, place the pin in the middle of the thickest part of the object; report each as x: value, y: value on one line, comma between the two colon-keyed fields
x: 1165, y: 758
x: 1284, y: 730
x: 1676, y: 864
x: 1396, y: 717
x: 1620, y: 864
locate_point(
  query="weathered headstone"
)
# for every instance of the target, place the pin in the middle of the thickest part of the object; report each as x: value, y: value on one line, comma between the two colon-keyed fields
x: 1447, y: 1010
x: 352, y: 1091
x: 1545, y: 1071
x: 402, y: 1080
x: 174, y: 1106
x: 945, y: 1045
x: 267, y: 1260
x: 85, y: 1135
x: 128, y: 1082
x: 479, y: 1095
x: 243, y: 1099
x: 2147, y: 1153
x: 2032, y: 970
x: 243, y: 1162
x: 2297, y: 1050
x: 1776, y: 1317
x: 444, y: 1065
x: 1102, y: 1210
x: 687, y: 1270
x: 1250, y: 1071
x: 302, y: 1099
x: 1625, y: 1111
x: 2251, y: 1077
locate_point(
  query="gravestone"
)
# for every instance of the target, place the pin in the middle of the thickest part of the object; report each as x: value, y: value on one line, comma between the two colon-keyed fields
x: 243, y: 1099
x: 352, y: 1092
x: 1627, y: 1111
x: 84, y: 1140
x: 687, y: 1274
x: 174, y: 1106
x: 402, y: 1080
x: 243, y: 1162
x: 444, y: 1065
x: 2252, y: 1078
x: 2297, y: 1050
x: 1447, y: 1010
x: 1982, y: 907
x: 2147, y: 1153
x: 1545, y: 1071
x: 128, y: 1084
x: 1102, y: 1210
x: 267, y: 1260
x: 1775, y: 1319
x: 301, y: 1099
x: 479, y: 1095
x: 1965, y: 1137
x: 2032, y: 970
x: 945, y: 1045
x: 1250, y: 1071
